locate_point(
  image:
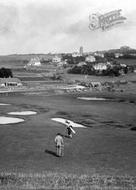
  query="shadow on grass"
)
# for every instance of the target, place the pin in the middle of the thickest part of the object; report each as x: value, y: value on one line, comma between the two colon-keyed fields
x: 133, y: 129
x: 51, y: 152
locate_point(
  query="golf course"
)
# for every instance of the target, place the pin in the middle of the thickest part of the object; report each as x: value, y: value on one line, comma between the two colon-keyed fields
x: 105, y: 147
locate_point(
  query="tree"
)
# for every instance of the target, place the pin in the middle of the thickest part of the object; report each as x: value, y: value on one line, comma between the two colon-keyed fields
x: 5, y: 73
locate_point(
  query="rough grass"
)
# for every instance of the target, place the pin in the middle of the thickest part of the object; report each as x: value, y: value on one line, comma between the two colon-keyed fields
x: 90, y: 120
x: 49, y: 180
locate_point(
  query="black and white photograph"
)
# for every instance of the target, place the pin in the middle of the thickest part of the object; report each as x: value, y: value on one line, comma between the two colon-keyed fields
x: 67, y: 95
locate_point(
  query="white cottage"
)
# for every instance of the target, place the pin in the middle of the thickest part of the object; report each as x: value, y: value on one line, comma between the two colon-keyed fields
x: 10, y: 82
x: 90, y: 58
x: 100, y: 66
x: 56, y: 59
x: 34, y: 62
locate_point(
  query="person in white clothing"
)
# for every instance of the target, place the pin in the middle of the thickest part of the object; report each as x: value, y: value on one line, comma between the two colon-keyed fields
x: 59, y: 145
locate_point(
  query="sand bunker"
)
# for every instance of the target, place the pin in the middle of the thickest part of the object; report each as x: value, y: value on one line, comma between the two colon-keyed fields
x: 23, y: 113
x: 9, y: 120
x: 2, y: 104
x: 63, y: 121
x: 70, y: 87
x: 92, y: 98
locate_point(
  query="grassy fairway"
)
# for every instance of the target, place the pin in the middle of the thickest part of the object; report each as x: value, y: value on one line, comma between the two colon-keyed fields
x: 106, y: 147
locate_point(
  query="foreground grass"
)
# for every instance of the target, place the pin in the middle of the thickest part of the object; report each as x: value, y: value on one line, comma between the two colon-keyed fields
x: 50, y: 180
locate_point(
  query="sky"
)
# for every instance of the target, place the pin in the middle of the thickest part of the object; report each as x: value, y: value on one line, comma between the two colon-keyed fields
x: 57, y: 26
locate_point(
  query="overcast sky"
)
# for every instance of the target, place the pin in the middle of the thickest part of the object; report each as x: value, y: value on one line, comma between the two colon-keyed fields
x: 42, y: 26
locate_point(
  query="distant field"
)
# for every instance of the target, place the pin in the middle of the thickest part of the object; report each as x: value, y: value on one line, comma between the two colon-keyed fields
x: 92, y: 78
x: 24, y: 56
x: 19, y: 61
x: 128, y: 61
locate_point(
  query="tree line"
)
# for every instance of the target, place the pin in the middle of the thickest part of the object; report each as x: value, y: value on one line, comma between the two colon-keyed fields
x: 88, y: 69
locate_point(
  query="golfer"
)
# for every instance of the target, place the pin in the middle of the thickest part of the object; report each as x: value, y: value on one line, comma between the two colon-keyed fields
x: 69, y: 129
x: 59, y: 145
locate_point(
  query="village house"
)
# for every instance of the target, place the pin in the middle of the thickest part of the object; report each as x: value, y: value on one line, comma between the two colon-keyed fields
x: 34, y: 62
x: 90, y: 58
x: 80, y: 64
x: 76, y: 54
x: 100, y: 66
x: 56, y: 59
x: 117, y: 55
x: 133, y: 54
x: 10, y: 82
x: 123, y: 65
x: 99, y: 54
x: 62, y: 63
